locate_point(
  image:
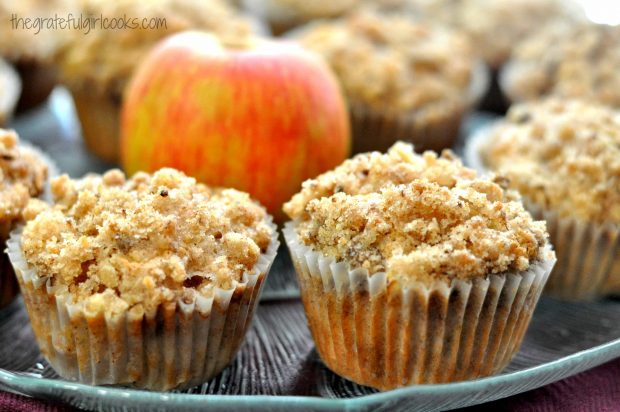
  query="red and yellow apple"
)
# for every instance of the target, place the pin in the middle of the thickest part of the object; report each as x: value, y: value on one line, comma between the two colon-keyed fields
x: 261, y: 117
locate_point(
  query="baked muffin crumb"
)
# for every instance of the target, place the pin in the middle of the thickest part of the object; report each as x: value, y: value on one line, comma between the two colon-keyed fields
x: 416, y: 217
x: 118, y: 243
x: 22, y: 176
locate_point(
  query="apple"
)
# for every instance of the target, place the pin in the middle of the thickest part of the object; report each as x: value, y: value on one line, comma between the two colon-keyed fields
x: 261, y: 116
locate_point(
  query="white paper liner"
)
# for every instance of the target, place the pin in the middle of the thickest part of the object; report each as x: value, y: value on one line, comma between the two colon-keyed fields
x: 8, y: 283
x: 386, y: 336
x: 588, y: 253
x: 10, y: 90
x: 180, y: 346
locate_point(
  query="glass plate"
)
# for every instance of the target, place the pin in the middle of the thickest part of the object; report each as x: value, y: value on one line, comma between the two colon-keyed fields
x: 277, y: 368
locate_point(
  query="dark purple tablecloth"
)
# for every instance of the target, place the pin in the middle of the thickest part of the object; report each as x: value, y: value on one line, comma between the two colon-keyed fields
x: 595, y: 390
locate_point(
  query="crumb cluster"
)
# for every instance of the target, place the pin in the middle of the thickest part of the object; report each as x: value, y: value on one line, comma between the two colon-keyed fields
x: 563, y: 155
x: 315, y: 9
x: 392, y: 63
x: 583, y: 63
x: 418, y: 217
x: 105, y: 59
x: 142, y: 241
x: 22, y: 176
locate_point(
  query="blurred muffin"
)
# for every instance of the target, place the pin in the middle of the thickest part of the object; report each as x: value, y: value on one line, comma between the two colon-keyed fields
x: 495, y: 27
x: 403, y: 80
x: 158, y: 277
x: 564, y: 158
x: 23, y: 174
x: 10, y: 88
x: 283, y: 15
x: 567, y: 60
x: 413, y: 270
x: 31, y: 51
x: 97, y: 66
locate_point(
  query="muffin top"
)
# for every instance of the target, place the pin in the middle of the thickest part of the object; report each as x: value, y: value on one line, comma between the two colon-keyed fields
x: 10, y: 88
x: 391, y: 63
x: 39, y: 43
x: 22, y: 176
x: 304, y: 10
x: 104, y: 60
x: 563, y: 155
x: 416, y: 217
x: 495, y: 26
x: 143, y: 241
x: 582, y: 63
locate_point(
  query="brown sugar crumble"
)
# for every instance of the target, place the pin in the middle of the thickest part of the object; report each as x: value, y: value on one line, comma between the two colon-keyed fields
x: 22, y: 176
x: 119, y: 243
x: 419, y: 217
x: 563, y: 155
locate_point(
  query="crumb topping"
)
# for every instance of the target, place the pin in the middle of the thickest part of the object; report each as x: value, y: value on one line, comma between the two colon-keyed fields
x: 22, y: 176
x: 582, y: 63
x: 143, y: 241
x: 105, y: 59
x: 304, y: 10
x: 392, y: 63
x: 418, y: 217
x: 563, y: 155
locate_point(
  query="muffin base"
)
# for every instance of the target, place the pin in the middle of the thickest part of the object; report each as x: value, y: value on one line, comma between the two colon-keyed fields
x: 99, y: 116
x: 588, y: 254
x: 386, y: 335
x: 179, y: 345
x: 38, y: 81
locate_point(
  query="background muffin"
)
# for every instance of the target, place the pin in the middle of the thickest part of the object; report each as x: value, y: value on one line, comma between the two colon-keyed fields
x: 564, y: 158
x: 96, y: 67
x: 430, y: 273
x: 403, y: 80
x: 582, y: 63
x: 31, y: 50
x: 283, y: 15
x: 23, y: 173
x: 158, y: 276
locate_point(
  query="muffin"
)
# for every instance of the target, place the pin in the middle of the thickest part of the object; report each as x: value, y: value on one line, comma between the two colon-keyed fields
x: 413, y: 269
x: 581, y: 64
x: 563, y: 156
x: 10, y: 88
x: 31, y: 50
x: 283, y: 15
x: 403, y: 80
x: 150, y: 282
x: 495, y: 27
x: 24, y: 172
x: 96, y: 67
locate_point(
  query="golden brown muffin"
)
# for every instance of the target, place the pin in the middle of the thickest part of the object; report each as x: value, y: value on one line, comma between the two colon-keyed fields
x: 409, y: 245
x: 23, y: 173
x: 564, y: 157
x: 128, y: 254
x: 97, y: 66
x: 582, y: 64
x: 401, y: 77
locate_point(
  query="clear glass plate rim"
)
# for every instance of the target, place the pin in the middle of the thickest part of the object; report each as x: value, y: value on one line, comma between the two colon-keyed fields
x: 598, y: 354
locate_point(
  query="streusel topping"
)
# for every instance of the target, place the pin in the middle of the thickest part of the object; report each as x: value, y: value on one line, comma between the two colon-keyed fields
x: 304, y: 10
x: 22, y: 176
x: 105, y: 59
x: 563, y: 155
x: 582, y: 63
x: 418, y: 217
x: 145, y: 240
x: 392, y: 63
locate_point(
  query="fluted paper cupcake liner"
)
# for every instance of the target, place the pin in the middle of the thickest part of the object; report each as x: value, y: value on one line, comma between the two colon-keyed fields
x: 8, y: 284
x: 181, y: 344
x: 387, y: 335
x: 588, y: 253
